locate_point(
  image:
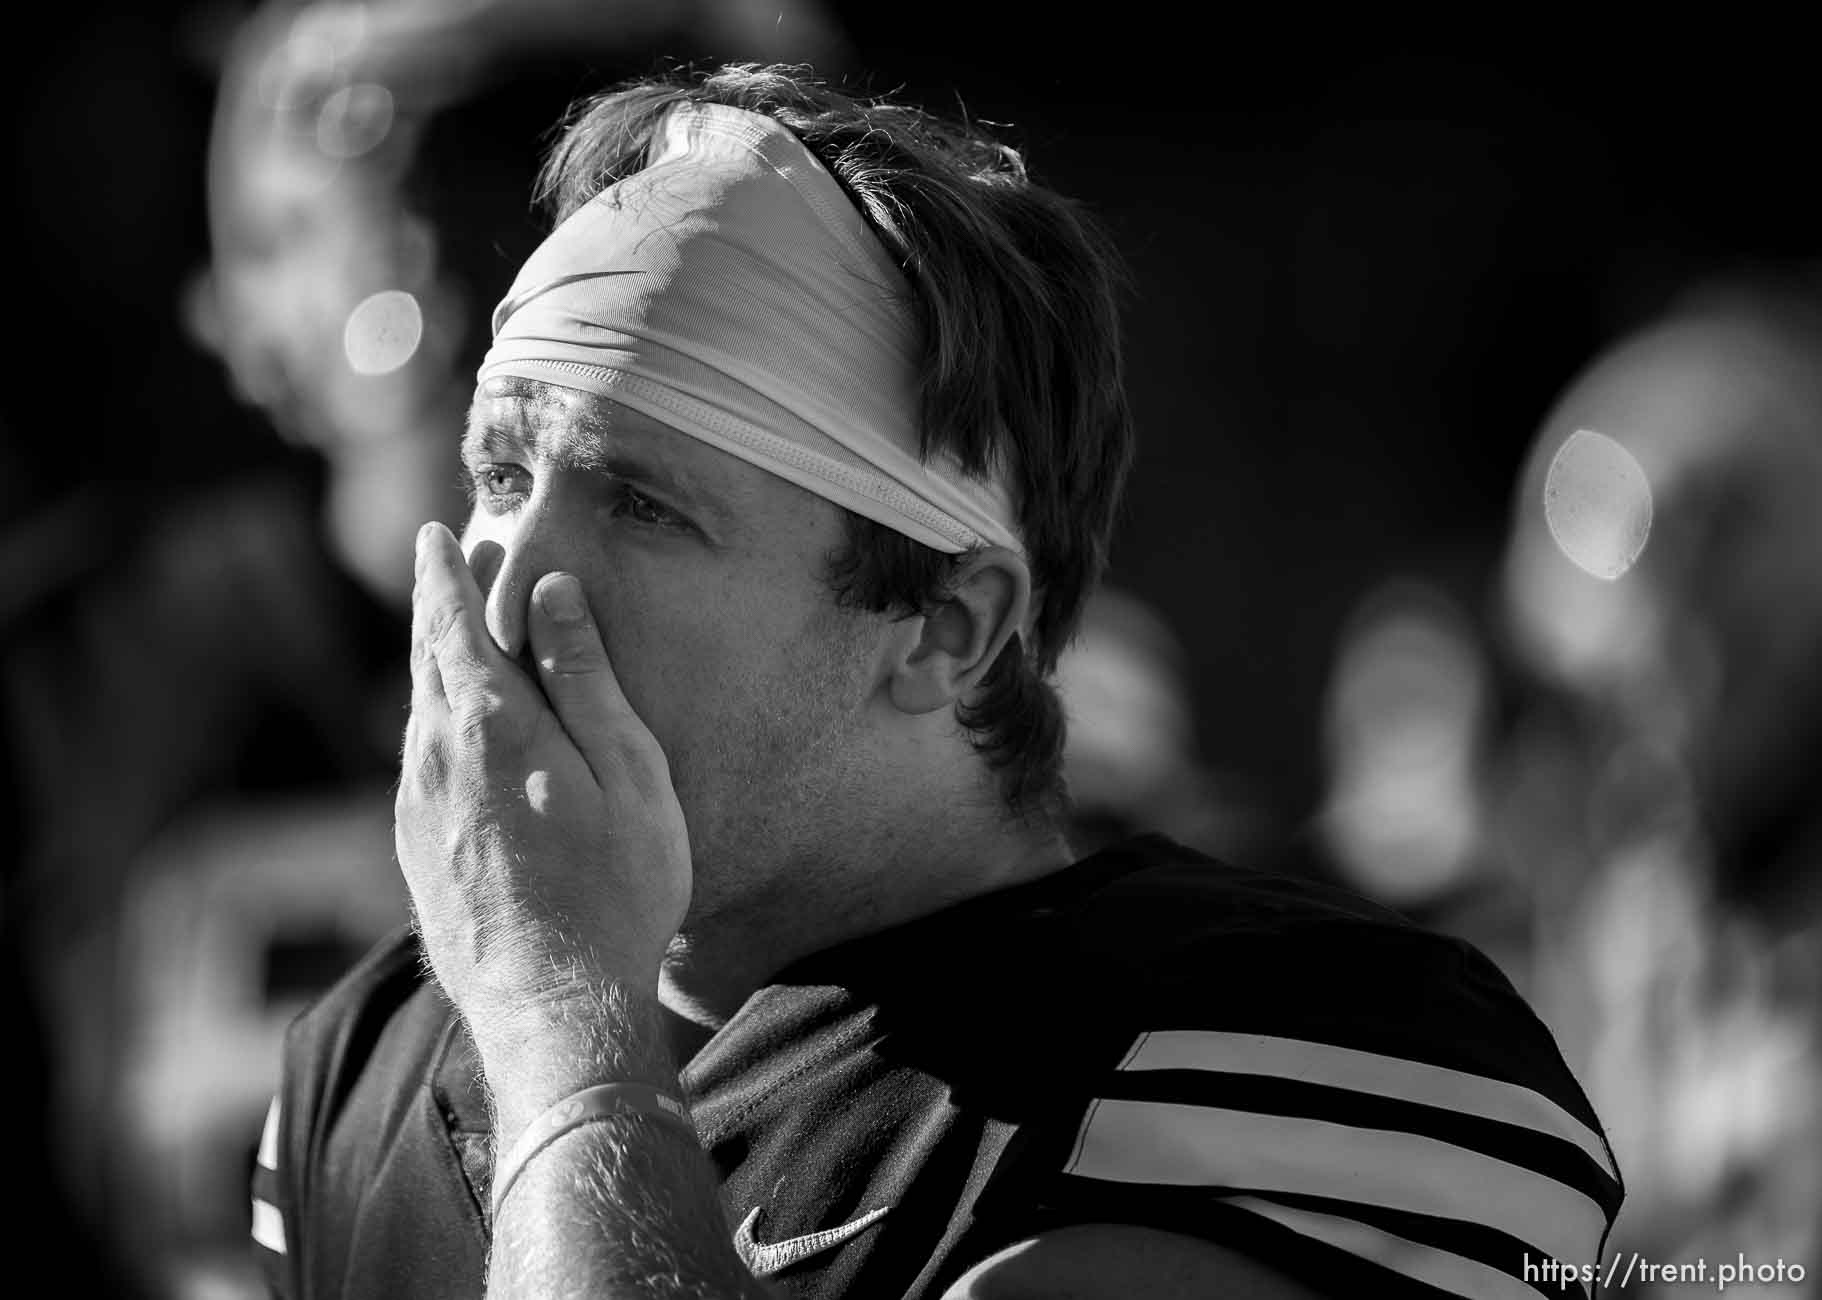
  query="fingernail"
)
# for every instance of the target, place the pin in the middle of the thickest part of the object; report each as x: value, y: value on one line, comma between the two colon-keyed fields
x: 562, y: 600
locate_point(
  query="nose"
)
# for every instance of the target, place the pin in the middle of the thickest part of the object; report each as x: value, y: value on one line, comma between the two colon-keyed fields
x: 507, y: 563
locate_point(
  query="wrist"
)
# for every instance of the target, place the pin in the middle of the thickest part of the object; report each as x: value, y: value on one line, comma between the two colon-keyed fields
x: 599, y: 1104
x: 533, y: 1061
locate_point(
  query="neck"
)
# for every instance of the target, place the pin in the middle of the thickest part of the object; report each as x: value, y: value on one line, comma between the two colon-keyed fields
x: 876, y: 882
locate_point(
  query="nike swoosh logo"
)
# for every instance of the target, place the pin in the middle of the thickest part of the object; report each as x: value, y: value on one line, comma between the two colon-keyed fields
x: 765, y: 1259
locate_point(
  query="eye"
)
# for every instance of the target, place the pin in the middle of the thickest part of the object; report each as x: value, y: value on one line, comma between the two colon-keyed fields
x: 631, y: 503
x: 495, y: 488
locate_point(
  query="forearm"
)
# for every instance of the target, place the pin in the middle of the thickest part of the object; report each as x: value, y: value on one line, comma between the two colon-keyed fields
x: 623, y: 1205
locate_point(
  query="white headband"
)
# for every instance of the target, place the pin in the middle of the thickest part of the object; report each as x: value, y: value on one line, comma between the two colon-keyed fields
x: 731, y: 291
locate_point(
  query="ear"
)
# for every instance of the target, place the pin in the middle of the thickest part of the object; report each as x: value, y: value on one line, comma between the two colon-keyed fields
x: 954, y: 644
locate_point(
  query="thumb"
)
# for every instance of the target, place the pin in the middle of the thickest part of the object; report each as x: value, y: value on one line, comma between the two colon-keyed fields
x: 577, y: 678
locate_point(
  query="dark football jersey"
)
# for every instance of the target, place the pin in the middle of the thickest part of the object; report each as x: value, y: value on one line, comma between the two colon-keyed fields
x: 1149, y: 1037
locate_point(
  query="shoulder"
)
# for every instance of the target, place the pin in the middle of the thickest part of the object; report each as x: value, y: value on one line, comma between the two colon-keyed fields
x: 382, y: 1016
x: 1304, y: 1076
x: 1196, y: 950
x: 353, y: 1065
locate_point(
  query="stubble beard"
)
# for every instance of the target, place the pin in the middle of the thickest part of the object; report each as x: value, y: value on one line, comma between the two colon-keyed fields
x: 789, y: 779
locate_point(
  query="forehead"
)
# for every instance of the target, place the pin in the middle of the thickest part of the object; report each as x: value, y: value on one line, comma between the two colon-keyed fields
x: 569, y: 429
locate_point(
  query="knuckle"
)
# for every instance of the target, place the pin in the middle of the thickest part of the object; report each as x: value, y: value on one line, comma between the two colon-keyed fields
x: 442, y: 623
x: 483, y: 717
x: 477, y: 732
x: 479, y: 704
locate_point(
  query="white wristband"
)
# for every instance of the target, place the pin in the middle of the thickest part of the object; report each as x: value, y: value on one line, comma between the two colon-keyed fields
x: 579, y: 1108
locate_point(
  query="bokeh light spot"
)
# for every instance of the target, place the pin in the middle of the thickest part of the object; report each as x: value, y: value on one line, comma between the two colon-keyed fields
x: 383, y: 332
x: 1597, y: 503
x: 354, y: 120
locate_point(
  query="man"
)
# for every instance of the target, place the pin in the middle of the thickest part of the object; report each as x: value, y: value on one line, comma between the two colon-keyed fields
x: 730, y: 810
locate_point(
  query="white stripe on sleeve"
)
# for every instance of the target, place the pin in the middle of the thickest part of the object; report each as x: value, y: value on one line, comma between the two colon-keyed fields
x: 268, y: 1226
x: 1444, y: 1269
x: 1367, y: 1072
x: 1170, y: 1144
x: 268, y: 1139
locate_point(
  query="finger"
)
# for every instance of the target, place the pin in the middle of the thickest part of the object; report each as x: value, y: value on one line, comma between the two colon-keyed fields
x: 448, y: 616
x: 577, y: 678
x: 423, y: 760
x: 427, y: 698
x: 429, y: 705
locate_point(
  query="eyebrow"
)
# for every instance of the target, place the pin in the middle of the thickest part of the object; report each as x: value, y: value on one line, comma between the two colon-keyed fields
x: 485, y: 440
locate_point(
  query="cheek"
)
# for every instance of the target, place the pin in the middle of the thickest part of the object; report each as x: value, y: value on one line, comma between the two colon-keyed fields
x: 681, y: 650
x: 712, y: 671
x: 662, y: 657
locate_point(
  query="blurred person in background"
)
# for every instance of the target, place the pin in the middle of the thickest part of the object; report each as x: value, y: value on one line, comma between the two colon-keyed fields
x: 331, y: 296
x: 790, y: 982
x: 1411, y: 744
x: 1663, y: 588
x: 1131, y: 755
x: 1611, y: 780
x: 165, y: 620
x: 162, y: 652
